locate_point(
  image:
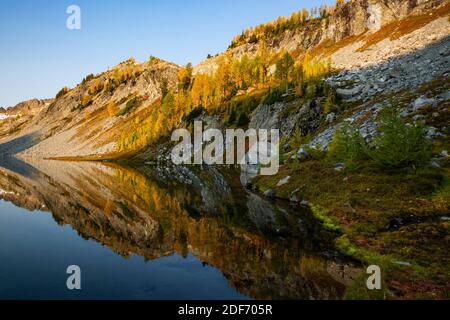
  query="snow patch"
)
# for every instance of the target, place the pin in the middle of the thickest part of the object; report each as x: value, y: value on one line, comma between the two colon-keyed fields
x: 4, y: 192
x: 7, y: 116
x: 375, y: 15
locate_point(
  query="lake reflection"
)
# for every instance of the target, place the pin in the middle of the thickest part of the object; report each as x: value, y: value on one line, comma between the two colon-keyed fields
x: 157, y: 233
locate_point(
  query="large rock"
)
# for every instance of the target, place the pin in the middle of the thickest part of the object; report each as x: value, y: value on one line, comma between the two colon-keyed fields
x: 302, y: 154
x: 421, y: 102
x: 418, y: 118
x: 339, y: 167
x: 431, y: 133
x: 446, y: 95
x: 294, y: 198
x: 284, y: 181
x: 348, y: 93
x: 271, y: 193
x: 330, y: 117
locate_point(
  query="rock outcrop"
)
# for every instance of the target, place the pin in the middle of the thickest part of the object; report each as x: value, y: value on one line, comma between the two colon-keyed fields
x: 355, y: 18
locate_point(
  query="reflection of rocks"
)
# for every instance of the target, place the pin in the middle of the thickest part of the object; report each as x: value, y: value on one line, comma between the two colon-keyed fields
x: 248, y: 172
x: 260, y: 212
x: 74, y: 197
x: 343, y: 273
x: 214, y: 192
x: 133, y: 214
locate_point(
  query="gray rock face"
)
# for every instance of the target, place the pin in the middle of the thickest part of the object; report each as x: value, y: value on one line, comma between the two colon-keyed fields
x: 283, y: 181
x: 271, y: 193
x: 446, y: 95
x: 408, y: 71
x: 403, y: 263
x: 266, y: 116
x: 421, y: 102
x: 435, y: 164
x: 306, y: 117
x: 260, y: 211
x: 323, y: 139
x: 418, y: 118
x: 431, y: 133
x: 304, y: 203
x: 349, y: 20
x: 348, y: 93
x: 294, y: 198
x: 339, y: 167
x: 375, y: 19
x: 330, y: 117
x: 302, y: 154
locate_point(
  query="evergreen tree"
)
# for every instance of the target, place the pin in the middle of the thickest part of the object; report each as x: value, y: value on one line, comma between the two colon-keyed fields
x: 284, y: 68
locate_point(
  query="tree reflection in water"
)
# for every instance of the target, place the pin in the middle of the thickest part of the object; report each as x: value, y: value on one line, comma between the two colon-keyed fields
x: 266, y: 250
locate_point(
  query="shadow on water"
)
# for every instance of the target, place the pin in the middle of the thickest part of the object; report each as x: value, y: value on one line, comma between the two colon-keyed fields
x: 10, y: 149
x: 265, y: 250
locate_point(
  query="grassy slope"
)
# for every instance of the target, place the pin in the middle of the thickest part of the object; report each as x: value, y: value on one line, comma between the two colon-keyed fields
x: 362, y: 206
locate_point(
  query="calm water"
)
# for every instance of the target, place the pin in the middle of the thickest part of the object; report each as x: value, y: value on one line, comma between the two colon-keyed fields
x: 156, y: 233
x: 35, y: 252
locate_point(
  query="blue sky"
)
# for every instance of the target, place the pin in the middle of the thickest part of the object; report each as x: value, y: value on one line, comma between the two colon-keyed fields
x: 39, y: 55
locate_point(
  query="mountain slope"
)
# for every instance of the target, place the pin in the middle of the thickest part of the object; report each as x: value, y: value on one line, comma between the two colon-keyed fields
x: 92, y: 119
x: 89, y: 119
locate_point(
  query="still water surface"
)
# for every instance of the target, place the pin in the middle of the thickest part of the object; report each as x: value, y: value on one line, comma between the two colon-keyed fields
x: 156, y: 233
x: 35, y: 252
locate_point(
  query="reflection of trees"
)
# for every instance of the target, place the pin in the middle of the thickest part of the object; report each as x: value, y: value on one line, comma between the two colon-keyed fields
x: 131, y: 213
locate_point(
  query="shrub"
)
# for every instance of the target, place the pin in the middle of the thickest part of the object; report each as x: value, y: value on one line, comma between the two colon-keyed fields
x: 330, y: 98
x: 153, y: 59
x: 96, y: 87
x: 273, y: 96
x: 296, y: 140
x: 86, y: 101
x: 124, y: 99
x: 194, y: 113
x: 398, y: 144
x: 89, y: 77
x: 243, y: 120
x: 111, y: 107
x: 348, y: 146
x: 62, y: 92
x: 230, y: 117
x: 239, y: 109
x: 316, y: 153
x: 133, y: 103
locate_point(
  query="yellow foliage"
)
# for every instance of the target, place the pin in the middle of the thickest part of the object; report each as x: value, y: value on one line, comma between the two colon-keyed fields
x: 315, y: 68
x: 112, y: 109
x: 87, y: 116
x: 85, y: 100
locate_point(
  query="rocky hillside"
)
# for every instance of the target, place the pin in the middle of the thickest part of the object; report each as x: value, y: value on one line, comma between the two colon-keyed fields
x: 90, y: 118
x: 374, y: 42
x: 358, y: 18
x: 400, y: 68
x: 13, y: 119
